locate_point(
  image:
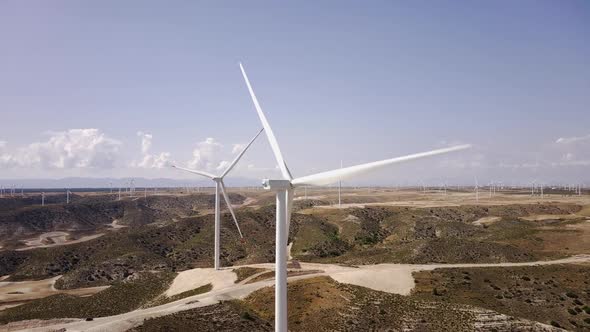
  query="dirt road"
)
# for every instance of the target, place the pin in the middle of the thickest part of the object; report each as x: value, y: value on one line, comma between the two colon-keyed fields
x: 393, y: 278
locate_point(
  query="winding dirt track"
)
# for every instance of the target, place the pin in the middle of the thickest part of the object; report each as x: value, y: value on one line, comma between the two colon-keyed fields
x: 13, y: 293
x: 55, y: 239
x: 393, y: 278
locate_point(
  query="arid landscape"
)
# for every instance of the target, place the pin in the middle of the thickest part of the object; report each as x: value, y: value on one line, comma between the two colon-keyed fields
x: 386, y: 259
x: 400, y: 166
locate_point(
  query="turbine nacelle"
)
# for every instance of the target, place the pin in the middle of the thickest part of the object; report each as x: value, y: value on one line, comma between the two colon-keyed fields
x: 276, y: 185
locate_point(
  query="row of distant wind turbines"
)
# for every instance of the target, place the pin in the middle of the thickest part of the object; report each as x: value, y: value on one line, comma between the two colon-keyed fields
x: 284, y: 189
x: 536, y: 189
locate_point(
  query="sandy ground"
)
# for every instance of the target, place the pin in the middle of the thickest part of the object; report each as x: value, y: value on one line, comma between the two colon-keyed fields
x: 393, y: 278
x: 195, y: 278
x: 15, y: 293
x: 541, y: 217
x: 289, y: 246
x: 247, y: 201
x: 318, y: 197
x: 408, y: 197
x: 115, y: 224
x: 486, y: 221
x: 54, y: 239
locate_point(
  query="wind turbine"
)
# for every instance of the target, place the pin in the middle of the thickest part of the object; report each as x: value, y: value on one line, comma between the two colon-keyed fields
x: 284, y: 200
x: 68, y: 192
x: 220, y: 185
x: 42, y: 199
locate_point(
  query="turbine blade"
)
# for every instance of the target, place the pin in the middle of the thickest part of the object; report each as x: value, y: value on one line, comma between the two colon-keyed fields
x: 233, y: 163
x: 205, y: 174
x: 333, y: 176
x: 269, y: 133
x: 231, y: 209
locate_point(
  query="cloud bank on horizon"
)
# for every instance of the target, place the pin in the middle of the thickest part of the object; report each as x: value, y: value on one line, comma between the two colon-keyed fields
x: 76, y: 152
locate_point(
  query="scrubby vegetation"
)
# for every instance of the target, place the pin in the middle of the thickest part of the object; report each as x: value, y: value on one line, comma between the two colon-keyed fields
x: 374, y: 235
x: 163, y: 299
x: 226, y: 316
x: 245, y: 272
x: 555, y: 294
x: 322, y: 304
x: 171, y: 233
x: 119, y: 298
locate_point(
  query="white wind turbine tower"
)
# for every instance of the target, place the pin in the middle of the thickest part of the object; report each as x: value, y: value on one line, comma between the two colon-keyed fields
x: 219, y: 185
x: 42, y: 199
x: 284, y: 199
x: 68, y: 192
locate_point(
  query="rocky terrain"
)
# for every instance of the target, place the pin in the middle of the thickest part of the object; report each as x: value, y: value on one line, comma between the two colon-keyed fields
x: 373, y: 235
x: 19, y: 219
x: 322, y: 304
x: 143, y: 243
x: 557, y: 295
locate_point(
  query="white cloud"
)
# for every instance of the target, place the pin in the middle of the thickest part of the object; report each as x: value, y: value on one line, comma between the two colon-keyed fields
x: 569, y: 140
x: 237, y: 148
x: 155, y: 161
x: 75, y: 148
x: 205, y: 154
x: 568, y: 156
x: 146, y: 141
x: 151, y: 160
x: 572, y: 163
x: 222, y: 165
x: 6, y: 159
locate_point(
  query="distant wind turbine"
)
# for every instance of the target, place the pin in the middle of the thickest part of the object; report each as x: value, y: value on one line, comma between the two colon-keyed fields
x: 284, y: 199
x: 340, y: 190
x: 220, y: 185
x: 476, y: 190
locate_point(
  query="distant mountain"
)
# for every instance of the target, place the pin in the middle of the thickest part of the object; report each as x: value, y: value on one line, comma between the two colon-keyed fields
x: 79, y: 182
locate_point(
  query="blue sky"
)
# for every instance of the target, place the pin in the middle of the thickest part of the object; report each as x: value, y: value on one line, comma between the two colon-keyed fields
x: 338, y: 80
